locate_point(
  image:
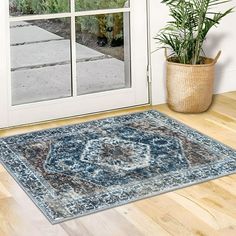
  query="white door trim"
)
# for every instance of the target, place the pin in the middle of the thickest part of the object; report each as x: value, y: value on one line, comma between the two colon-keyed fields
x: 4, y: 63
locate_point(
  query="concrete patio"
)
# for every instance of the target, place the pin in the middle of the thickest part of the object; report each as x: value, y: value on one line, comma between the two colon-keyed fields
x: 41, y: 67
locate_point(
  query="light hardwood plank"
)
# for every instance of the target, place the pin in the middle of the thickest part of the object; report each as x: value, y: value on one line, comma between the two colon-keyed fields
x: 144, y: 223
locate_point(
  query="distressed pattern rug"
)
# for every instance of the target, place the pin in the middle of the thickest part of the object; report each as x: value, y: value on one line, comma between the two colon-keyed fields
x: 81, y: 169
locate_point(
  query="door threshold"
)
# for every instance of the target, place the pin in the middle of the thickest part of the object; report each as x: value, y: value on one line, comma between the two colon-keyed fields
x: 55, y: 123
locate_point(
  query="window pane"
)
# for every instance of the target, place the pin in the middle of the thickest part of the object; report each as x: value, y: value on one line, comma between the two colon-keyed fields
x: 104, y: 39
x: 83, y: 5
x: 34, y: 7
x: 40, y: 60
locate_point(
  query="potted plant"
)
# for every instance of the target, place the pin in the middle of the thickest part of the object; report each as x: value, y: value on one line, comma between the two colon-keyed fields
x: 190, y: 74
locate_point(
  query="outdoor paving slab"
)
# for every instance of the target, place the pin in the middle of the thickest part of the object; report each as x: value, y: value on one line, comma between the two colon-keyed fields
x: 41, y: 84
x: 18, y: 24
x: 51, y: 52
x: 100, y: 75
x: 55, y: 81
x: 30, y: 34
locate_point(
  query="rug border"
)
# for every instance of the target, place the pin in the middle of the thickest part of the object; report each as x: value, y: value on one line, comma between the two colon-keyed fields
x: 143, y: 198
x: 194, y: 129
x: 124, y: 115
x: 53, y: 222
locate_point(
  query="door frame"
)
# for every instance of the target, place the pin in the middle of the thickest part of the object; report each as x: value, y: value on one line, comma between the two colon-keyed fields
x: 4, y: 63
x: 21, y: 114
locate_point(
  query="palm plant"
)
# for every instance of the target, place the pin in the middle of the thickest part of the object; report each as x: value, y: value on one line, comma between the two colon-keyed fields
x: 185, y: 34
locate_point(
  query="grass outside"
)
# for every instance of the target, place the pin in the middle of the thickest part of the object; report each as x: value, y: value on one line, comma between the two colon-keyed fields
x: 103, y: 33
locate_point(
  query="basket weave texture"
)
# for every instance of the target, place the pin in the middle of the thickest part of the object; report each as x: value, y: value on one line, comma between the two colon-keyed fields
x: 190, y: 87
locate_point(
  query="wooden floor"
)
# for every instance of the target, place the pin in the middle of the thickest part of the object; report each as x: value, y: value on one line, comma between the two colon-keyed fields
x: 205, y: 209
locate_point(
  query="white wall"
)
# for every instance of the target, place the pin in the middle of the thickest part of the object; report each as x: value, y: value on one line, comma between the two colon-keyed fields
x: 221, y: 38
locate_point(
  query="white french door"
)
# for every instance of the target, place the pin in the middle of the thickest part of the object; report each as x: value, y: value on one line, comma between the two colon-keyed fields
x: 70, y: 58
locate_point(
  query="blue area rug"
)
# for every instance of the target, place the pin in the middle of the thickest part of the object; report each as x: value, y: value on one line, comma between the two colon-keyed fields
x: 81, y: 169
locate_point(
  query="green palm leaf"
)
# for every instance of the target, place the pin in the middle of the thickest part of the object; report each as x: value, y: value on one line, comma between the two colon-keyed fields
x: 186, y: 33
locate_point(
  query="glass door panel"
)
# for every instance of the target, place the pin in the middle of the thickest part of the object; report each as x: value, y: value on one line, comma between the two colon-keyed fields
x: 40, y: 60
x: 90, y: 56
x: 105, y: 40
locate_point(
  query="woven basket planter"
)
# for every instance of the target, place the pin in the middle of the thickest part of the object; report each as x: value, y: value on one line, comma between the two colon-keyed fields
x: 190, y: 87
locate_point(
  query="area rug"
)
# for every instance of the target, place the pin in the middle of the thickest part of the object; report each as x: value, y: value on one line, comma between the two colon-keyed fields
x: 81, y: 169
